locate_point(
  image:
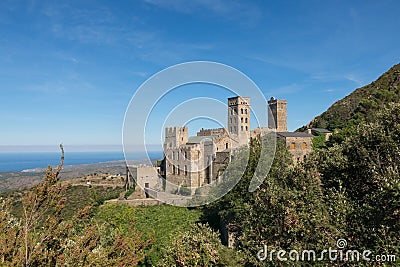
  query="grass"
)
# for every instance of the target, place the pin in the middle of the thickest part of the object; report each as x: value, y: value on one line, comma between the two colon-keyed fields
x: 80, y: 196
x: 161, y: 223
x: 77, y: 197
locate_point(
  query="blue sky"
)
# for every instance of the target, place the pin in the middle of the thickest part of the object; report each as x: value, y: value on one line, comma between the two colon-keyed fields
x: 68, y: 70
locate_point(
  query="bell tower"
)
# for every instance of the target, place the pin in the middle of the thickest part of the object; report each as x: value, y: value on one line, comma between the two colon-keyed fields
x: 277, y: 117
x: 239, y: 118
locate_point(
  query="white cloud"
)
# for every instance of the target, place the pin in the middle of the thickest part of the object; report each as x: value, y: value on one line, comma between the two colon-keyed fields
x: 354, y: 78
x: 244, y: 13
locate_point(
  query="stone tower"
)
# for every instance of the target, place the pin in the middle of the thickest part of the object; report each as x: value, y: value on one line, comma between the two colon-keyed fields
x: 175, y: 136
x: 277, y: 120
x: 239, y: 118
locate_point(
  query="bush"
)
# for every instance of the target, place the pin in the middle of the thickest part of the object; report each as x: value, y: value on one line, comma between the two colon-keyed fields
x: 199, y: 246
x: 185, y: 191
x: 129, y: 192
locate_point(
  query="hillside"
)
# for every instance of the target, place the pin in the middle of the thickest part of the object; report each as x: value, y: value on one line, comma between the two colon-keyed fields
x: 361, y: 103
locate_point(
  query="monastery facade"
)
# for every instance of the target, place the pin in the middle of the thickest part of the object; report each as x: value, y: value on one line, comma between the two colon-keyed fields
x: 193, y: 161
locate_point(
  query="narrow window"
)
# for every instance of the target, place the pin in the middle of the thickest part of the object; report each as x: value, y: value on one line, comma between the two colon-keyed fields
x: 247, y: 128
x: 292, y: 146
x: 179, y: 170
x: 241, y: 128
x: 241, y: 111
x: 226, y: 145
x: 185, y: 170
x: 241, y: 120
x: 146, y: 185
x: 304, y: 145
x: 245, y: 120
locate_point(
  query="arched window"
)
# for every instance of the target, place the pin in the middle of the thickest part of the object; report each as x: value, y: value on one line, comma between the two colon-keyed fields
x: 241, y: 111
x: 304, y: 145
x: 245, y: 111
x: 292, y: 146
x: 186, y: 171
x: 226, y: 145
x: 241, y: 120
x: 241, y: 128
x: 247, y: 128
x: 245, y: 120
x: 179, y: 170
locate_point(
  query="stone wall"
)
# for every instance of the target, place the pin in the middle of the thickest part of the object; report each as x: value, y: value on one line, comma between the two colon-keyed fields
x: 299, y: 147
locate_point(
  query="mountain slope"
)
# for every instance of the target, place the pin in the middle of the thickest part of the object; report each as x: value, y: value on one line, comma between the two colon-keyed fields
x: 361, y: 103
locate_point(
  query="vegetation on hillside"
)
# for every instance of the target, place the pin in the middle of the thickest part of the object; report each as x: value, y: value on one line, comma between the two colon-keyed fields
x: 362, y: 103
x: 41, y: 237
x: 347, y: 188
x: 158, y: 223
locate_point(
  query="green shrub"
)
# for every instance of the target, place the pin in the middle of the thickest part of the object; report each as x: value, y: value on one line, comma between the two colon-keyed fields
x: 185, y: 191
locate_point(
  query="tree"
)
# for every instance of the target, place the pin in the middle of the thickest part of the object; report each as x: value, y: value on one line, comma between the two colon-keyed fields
x: 200, y: 246
x: 42, y: 238
x: 365, y: 169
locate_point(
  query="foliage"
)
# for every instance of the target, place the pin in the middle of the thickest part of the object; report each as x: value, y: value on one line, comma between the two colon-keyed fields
x: 319, y: 141
x: 349, y: 189
x: 363, y: 103
x: 199, y: 246
x: 286, y: 212
x: 41, y: 237
x: 159, y: 223
x: 365, y: 169
x: 185, y: 191
x: 129, y: 192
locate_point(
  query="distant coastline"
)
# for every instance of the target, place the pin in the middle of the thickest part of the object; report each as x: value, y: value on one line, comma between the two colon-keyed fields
x: 37, y: 161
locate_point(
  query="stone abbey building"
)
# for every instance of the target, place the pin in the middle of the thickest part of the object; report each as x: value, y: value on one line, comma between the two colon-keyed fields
x: 193, y: 161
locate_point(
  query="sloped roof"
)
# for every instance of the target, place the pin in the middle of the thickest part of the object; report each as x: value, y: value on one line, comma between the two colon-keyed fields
x: 320, y: 130
x: 294, y: 134
x: 198, y: 139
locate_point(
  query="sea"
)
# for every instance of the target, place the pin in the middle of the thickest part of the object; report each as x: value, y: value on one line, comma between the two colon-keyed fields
x: 17, y: 162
